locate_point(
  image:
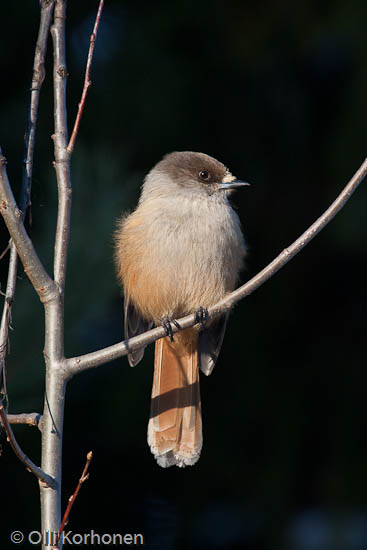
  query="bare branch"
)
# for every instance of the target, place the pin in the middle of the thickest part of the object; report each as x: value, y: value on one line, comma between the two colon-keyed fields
x: 5, y: 323
x: 4, y: 252
x: 94, y: 359
x: 288, y: 253
x: 87, y: 80
x: 38, y: 76
x: 31, y: 467
x: 33, y: 267
x: 25, y: 195
x: 72, y: 499
x: 31, y: 419
x: 60, y: 137
x: 53, y: 411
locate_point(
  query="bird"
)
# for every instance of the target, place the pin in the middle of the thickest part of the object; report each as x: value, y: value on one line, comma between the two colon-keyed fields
x: 179, y: 252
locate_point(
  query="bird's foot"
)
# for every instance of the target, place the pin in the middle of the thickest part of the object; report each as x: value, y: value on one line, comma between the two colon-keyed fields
x: 201, y: 316
x: 167, y: 323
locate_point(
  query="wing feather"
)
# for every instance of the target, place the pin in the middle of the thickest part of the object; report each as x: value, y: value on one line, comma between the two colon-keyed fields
x: 134, y: 324
x: 210, y: 342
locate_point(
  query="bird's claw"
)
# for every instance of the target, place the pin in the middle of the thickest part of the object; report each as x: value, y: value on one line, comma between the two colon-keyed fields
x: 167, y: 325
x: 201, y: 316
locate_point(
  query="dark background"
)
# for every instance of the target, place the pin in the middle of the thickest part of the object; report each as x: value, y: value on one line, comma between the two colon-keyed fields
x: 278, y: 92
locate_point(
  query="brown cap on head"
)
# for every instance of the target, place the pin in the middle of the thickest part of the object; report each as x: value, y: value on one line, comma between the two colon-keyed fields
x: 196, y: 172
x: 188, y: 169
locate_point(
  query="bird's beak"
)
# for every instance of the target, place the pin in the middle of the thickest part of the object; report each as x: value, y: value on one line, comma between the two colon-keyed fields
x: 230, y: 182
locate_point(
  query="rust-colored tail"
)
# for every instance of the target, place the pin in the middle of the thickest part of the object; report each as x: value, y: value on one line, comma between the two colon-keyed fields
x: 175, y: 430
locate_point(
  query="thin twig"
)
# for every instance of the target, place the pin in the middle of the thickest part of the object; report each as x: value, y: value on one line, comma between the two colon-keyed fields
x: 31, y: 467
x: 33, y: 267
x: 38, y: 76
x: 4, y: 330
x: 72, y: 499
x: 78, y: 364
x: 87, y: 80
x: 7, y: 248
x: 31, y: 419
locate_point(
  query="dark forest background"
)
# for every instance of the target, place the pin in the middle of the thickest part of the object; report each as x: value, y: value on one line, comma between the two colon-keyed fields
x: 278, y: 92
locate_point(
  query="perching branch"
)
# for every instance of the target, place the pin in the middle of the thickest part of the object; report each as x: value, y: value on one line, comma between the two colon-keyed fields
x: 289, y: 252
x: 78, y: 364
x: 72, y: 499
x: 40, y: 474
x: 87, y: 80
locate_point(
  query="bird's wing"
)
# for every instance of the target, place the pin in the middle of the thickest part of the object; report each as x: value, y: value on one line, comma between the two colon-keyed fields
x: 210, y: 342
x: 134, y: 324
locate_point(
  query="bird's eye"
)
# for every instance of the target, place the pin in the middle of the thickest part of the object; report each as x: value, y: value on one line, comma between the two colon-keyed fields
x: 204, y: 175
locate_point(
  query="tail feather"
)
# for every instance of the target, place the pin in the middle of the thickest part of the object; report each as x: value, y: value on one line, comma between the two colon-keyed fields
x: 175, y: 428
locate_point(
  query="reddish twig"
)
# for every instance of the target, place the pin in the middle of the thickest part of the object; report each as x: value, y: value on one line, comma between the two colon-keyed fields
x: 87, y: 80
x: 83, y: 478
x: 31, y: 467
